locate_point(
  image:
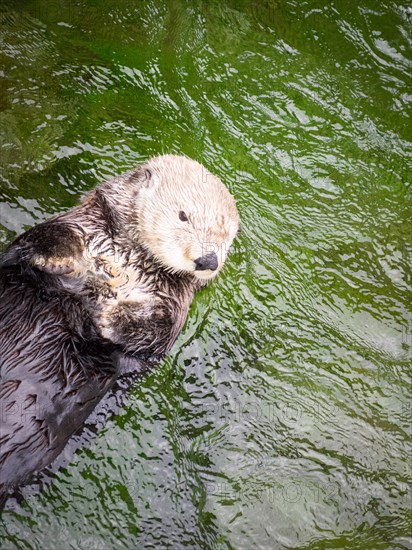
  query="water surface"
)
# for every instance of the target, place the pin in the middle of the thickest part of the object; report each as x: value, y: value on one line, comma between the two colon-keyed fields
x: 282, y: 418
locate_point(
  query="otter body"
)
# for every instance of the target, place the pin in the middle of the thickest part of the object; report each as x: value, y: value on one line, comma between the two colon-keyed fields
x: 96, y: 291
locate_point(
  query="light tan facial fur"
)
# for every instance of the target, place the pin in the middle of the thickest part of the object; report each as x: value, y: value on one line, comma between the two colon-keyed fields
x: 177, y: 185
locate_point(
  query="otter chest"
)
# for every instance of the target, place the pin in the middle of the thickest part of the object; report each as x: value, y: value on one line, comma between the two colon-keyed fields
x: 126, y: 279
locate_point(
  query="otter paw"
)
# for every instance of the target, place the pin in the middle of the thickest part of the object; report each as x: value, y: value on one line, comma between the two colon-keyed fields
x: 53, y: 265
x: 104, y: 320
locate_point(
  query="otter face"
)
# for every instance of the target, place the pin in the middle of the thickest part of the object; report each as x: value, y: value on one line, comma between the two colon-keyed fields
x: 187, y: 217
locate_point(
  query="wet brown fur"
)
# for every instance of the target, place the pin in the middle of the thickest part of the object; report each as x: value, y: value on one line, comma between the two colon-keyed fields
x: 79, y: 294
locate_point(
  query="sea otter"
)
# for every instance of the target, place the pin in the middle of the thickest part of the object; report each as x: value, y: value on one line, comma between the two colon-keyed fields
x: 102, y: 289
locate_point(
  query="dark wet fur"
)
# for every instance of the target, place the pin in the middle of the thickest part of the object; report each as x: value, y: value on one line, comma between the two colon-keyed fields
x: 51, y: 378
x: 55, y: 368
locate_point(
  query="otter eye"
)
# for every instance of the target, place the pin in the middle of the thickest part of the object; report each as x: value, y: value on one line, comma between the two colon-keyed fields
x: 183, y: 217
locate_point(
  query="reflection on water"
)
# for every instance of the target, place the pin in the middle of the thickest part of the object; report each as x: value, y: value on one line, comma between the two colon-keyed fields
x: 282, y: 418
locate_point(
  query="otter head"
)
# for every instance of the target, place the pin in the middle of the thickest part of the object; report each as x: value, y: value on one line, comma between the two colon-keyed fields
x: 187, y: 218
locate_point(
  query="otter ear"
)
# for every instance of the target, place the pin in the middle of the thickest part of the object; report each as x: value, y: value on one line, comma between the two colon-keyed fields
x: 146, y: 177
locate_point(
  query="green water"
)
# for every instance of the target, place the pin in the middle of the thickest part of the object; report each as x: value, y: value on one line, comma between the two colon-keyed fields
x: 282, y: 418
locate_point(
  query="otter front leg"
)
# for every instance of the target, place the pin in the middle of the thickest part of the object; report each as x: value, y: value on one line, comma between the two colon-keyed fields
x: 139, y: 328
x: 51, y: 247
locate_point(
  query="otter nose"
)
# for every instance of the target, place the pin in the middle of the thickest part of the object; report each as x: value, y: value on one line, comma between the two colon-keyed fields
x: 206, y: 262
